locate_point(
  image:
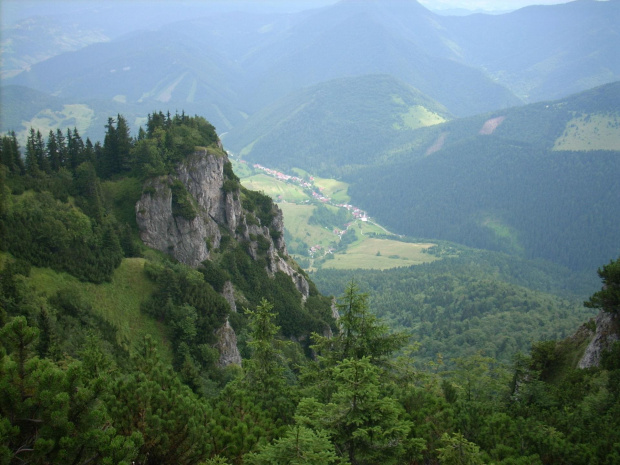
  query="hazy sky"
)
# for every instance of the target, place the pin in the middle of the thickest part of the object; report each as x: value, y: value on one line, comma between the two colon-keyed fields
x: 17, y: 9
x: 487, y: 4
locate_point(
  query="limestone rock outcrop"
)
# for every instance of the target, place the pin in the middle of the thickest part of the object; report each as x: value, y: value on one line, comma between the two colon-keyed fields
x: 212, y: 207
x: 606, y: 333
x: 227, y: 346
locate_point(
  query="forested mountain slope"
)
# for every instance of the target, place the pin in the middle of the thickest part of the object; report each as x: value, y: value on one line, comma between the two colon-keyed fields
x: 335, y: 126
x: 111, y: 350
x: 472, y: 301
x: 537, y: 181
x: 229, y: 65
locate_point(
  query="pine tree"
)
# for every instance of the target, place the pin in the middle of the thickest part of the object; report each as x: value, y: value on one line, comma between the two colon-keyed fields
x: 39, y: 147
x: 11, y: 157
x: 53, y: 152
x: 124, y: 144
x: 608, y: 298
x: 299, y: 446
x: 109, y: 163
x: 75, y: 149
x: 63, y: 156
x: 52, y: 414
x: 33, y: 167
x: 364, y: 423
x: 265, y: 369
x: 152, y: 403
x: 360, y: 335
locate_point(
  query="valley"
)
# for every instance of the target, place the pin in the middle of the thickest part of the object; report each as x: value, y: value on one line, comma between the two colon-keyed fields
x: 317, y: 246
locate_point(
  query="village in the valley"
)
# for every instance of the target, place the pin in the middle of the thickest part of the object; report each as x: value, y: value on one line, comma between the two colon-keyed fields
x: 316, y: 193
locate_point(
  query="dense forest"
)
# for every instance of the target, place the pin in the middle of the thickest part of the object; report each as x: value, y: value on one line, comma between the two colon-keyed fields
x: 536, y: 185
x: 471, y: 301
x: 77, y: 386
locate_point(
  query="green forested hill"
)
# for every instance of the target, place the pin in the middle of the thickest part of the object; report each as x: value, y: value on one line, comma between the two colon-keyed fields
x: 330, y: 128
x: 499, y: 182
x: 472, y: 301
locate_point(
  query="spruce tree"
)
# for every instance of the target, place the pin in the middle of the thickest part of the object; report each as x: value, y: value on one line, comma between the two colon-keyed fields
x: 33, y: 167
x: 265, y: 370
x: 53, y: 152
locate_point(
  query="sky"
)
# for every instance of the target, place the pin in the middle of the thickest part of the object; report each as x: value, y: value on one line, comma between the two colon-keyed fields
x: 490, y: 5
x: 13, y: 10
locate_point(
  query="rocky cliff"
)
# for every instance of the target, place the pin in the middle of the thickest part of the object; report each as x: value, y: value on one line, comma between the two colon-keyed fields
x: 190, y: 238
x: 186, y: 214
x: 185, y: 238
x: 607, y: 328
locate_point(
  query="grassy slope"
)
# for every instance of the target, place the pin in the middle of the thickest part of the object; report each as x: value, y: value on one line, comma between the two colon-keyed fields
x: 380, y: 254
x: 117, y: 301
x: 591, y: 132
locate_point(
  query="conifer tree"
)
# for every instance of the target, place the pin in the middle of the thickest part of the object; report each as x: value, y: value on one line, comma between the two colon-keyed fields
x: 266, y: 367
x: 151, y: 402
x: 33, y: 157
x: 11, y: 157
x: 299, y: 446
x: 61, y: 142
x: 75, y: 149
x: 364, y: 423
x: 608, y: 298
x: 51, y: 414
x: 360, y: 335
x: 53, y: 152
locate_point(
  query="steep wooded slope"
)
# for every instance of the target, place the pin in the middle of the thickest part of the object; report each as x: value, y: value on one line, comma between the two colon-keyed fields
x: 333, y: 126
x: 495, y: 181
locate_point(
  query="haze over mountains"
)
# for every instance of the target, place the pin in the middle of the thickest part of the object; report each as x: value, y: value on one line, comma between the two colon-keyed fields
x: 240, y: 62
x: 363, y: 90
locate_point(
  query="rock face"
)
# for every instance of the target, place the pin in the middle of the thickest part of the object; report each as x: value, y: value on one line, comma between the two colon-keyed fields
x: 215, y: 207
x: 227, y: 346
x: 229, y: 294
x: 187, y: 239
x: 607, y: 330
x: 190, y: 240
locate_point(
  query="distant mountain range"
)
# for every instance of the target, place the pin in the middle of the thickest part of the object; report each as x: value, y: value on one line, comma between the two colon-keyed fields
x: 228, y: 65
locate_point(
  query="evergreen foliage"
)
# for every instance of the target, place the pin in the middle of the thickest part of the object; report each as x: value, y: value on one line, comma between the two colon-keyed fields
x: 472, y: 301
x: 608, y: 298
x: 72, y: 392
x: 378, y: 409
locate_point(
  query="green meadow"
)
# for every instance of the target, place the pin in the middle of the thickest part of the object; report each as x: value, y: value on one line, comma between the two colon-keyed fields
x: 277, y: 190
x: 380, y: 254
x: 590, y: 132
x: 334, y: 189
x: 117, y: 301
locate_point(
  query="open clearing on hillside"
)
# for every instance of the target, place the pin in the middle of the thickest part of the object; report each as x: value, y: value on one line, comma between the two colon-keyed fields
x: 418, y: 117
x: 334, y: 189
x: 381, y: 254
x: 296, y: 222
x: 274, y: 188
x: 78, y: 115
x: 590, y: 132
x: 119, y: 301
